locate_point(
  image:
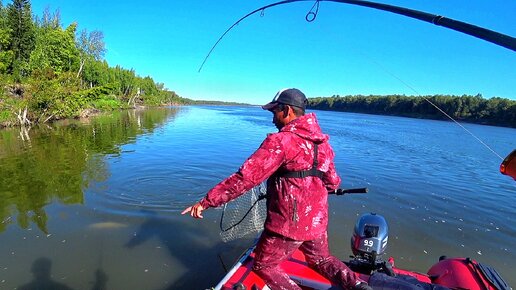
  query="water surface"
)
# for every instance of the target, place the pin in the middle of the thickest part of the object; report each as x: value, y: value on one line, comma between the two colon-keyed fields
x: 106, y: 194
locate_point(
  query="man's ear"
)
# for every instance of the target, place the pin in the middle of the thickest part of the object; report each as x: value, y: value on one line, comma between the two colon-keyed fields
x: 286, y: 110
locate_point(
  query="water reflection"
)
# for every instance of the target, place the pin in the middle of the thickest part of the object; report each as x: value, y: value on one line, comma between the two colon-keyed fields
x: 56, y: 163
x: 42, y: 271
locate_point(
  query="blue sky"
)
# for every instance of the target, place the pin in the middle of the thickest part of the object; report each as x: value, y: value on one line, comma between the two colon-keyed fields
x: 346, y: 50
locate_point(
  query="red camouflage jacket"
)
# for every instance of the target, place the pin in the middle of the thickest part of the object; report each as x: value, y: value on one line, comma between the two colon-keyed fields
x: 297, y: 208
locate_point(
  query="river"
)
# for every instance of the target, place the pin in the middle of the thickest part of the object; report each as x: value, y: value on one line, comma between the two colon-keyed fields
x: 101, y: 198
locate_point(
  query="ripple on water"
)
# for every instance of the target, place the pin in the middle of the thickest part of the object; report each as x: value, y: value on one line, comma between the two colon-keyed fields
x: 160, y: 192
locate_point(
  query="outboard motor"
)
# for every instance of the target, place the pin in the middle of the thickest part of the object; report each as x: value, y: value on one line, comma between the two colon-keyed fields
x: 369, y: 242
x: 370, y: 236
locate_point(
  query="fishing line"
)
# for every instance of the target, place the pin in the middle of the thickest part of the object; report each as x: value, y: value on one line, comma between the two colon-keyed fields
x: 429, y: 101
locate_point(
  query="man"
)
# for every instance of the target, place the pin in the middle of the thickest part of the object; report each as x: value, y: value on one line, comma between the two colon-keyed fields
x: 298, y: 162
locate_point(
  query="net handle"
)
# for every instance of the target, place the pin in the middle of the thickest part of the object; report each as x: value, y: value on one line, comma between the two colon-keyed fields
x: 342, y: 191
x: 339, y: 191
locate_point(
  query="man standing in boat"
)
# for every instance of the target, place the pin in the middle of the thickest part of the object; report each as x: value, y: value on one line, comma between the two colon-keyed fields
x: 298, y: 163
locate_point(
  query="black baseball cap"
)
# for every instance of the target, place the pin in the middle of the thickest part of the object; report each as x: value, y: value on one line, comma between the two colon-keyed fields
x: 293, y: 97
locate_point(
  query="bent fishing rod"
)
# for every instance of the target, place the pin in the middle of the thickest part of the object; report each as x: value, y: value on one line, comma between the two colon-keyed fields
x: 508, y: 166
x: 470, y: 29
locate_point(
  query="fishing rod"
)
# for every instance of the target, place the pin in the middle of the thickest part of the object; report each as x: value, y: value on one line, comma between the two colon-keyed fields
x: 508, y: 166
x: 500, y: 39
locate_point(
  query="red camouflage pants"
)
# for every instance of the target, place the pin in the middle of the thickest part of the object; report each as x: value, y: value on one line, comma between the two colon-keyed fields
x: 272, y: 249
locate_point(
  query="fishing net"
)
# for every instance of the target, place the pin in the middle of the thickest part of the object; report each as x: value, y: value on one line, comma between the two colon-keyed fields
x: 244, y: 215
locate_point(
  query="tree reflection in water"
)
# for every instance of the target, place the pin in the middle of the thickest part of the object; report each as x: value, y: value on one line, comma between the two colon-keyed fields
x: 48, y: 164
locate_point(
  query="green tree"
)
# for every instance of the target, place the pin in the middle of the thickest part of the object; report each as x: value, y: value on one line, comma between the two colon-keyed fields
x: 6, y: 55
x: 125, y: 81
x: 19, y: 17
x: 147, y: 86
x: 96, y: 73
x: 55, y: 49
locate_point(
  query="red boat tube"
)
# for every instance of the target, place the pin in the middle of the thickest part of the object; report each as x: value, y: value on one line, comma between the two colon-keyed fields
x: 508, y: 166
x: 466, y: 273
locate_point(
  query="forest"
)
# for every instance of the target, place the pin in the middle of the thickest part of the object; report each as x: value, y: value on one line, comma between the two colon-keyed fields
x: 48, y: 72
x: 473, y: 109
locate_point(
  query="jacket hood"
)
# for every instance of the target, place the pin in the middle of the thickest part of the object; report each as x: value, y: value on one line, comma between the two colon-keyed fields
x: 306, y: 127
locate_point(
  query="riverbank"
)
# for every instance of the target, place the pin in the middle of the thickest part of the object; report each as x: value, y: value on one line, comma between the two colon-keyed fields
x: 314, y: 103
x: 84, y: 114
x: 43, y: 101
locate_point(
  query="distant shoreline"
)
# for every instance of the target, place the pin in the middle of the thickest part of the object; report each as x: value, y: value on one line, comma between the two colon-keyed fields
x: 469, y: 109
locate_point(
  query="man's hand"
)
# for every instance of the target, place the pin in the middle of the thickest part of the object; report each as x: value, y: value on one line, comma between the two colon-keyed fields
x: 195, y: 210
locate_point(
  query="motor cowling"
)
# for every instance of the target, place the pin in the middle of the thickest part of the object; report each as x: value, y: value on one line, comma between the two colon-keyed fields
x: 370, y: 236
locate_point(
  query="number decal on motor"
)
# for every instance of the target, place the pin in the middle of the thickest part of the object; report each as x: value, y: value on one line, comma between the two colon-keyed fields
x: 368, y: 243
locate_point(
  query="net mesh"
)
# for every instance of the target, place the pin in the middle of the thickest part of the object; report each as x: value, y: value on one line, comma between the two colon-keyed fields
x: 244, y: 215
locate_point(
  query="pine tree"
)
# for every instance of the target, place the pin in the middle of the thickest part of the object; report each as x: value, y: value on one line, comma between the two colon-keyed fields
x: 6, y: 55
x: 19, y: 18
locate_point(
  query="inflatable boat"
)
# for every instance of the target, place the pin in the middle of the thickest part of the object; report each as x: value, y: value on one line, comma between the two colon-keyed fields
x: 368, y: 244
